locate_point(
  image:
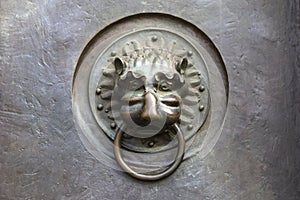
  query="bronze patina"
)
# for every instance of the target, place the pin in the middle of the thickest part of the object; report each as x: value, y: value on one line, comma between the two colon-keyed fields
x: 147, y: 87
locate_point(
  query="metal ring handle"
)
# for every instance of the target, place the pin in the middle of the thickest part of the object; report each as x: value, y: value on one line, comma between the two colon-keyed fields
x: 151, y: 177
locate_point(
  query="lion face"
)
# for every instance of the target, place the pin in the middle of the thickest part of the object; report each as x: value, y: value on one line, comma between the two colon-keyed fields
x: 149, y: 92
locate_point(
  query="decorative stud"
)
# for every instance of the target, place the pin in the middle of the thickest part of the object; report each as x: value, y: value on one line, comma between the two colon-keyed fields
x: 98, y: 91
x: 151, y: 144
x: 189, y: 53
x: 113, y: 53
x: 154, y: 38
x: 110, y: 117
x: 107, y: 111
x: 113, y: 125
x: 201, y: 108
x: 100, y: 107
x: 201, y: 88
x: 190, y: 127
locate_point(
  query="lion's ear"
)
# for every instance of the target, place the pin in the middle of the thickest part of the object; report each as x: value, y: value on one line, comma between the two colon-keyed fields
x: 119, y: 65
x: 182, y: 65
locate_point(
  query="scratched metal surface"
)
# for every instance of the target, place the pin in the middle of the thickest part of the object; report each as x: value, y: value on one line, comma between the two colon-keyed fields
x: 257, y: 155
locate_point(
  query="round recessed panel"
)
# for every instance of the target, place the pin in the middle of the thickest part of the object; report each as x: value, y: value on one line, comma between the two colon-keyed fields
x: 149, y: 46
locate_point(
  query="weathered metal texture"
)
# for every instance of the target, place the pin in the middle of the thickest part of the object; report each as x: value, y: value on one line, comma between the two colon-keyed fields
x: 256, y: 156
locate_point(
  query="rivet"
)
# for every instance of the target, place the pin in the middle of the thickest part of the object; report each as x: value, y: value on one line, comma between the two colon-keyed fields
x: 151, y: 144
x: 154, y: 38
x: 202, y: 88
x: 100, y: 107
x: 201, y: 107
x: 189, y: 53
x: 106, y: 111
x: 98, y: 91
x: 190, y: 127
x: 113, y: 125
x: 113, y: 53
x: 110, y: 117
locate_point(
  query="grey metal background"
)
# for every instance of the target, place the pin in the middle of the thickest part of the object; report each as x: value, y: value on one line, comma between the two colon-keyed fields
x: 257, y: 155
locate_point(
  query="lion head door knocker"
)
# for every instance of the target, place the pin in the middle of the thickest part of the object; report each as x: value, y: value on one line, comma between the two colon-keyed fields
x: 142, y: 95
x: 151, y: 90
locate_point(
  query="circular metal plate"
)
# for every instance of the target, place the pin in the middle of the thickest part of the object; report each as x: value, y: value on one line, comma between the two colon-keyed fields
x: 149, y: 42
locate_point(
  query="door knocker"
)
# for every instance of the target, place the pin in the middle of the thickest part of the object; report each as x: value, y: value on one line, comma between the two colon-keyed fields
x: 151, y: 89
x: 141, y: 95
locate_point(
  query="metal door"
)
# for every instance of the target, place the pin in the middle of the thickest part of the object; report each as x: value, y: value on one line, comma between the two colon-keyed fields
x: 250, y: 146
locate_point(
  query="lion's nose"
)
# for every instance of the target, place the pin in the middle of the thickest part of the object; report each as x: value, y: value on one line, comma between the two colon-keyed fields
x: 150, y: 108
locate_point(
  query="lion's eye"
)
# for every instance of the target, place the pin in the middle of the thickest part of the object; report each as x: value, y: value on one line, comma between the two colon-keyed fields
x: 164, y: 86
